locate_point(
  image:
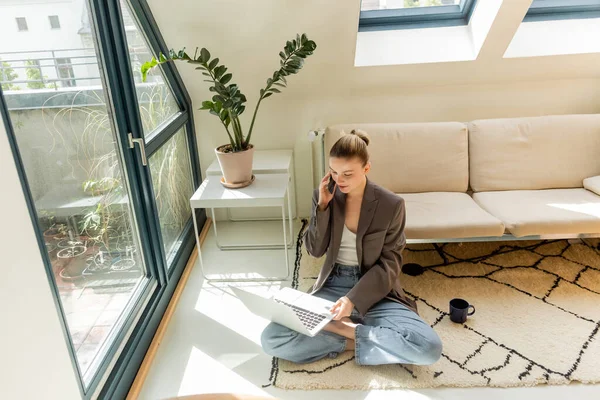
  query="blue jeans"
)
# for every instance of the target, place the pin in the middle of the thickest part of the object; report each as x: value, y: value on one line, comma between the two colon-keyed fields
x: 390, y: 332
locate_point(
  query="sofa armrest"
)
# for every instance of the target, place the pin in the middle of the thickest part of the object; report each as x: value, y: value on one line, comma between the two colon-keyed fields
x: 592, y: 184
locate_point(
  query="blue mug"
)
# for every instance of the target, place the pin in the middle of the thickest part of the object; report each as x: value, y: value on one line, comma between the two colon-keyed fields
x: 459, y: 310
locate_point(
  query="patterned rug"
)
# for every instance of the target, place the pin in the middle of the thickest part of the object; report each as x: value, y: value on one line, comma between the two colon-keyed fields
x: 536, y: 321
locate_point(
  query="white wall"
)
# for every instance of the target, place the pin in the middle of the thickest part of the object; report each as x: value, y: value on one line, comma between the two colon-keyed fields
x: 34, y: 361
x: 247, y: 37
x: 39, y: 35
x: 40, y: 38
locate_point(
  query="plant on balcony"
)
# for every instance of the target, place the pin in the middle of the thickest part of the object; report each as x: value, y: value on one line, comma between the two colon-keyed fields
x: 7, y: 75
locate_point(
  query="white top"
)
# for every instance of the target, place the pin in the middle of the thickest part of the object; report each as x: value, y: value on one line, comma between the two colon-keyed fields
x: 266, y: 190
x: 347, y: 254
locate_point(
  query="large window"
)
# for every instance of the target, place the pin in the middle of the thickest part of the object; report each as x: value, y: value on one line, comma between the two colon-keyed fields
x: 543, y: 10
x: 406, y: 14
x: 108, y: 164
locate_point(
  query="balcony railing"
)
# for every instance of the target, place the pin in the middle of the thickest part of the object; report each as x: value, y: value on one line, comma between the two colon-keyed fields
x: 59, y: 68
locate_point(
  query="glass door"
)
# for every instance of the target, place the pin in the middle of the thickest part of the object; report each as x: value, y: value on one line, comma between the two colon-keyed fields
x: 67, y: 138
x: 108, y: 169
x: 163, y: 123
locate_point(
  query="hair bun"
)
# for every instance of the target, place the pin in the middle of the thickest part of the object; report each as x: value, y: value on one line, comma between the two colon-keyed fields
x: 361, y: 134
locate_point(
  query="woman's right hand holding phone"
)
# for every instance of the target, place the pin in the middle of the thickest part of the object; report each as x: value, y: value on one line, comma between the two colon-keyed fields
x: 325, y: 195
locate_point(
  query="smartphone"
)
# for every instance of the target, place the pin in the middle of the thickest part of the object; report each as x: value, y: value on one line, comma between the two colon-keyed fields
x: 331, y: 184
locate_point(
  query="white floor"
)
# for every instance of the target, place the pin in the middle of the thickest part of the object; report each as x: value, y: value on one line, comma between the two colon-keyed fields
x: 212, y: 344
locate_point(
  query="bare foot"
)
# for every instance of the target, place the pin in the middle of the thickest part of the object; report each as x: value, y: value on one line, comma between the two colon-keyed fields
x: 344, y: 327
x: 350, y: 345
x: 348, y: 322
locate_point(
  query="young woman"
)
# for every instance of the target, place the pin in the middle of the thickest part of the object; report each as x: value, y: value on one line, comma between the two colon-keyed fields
x: 360, y: 226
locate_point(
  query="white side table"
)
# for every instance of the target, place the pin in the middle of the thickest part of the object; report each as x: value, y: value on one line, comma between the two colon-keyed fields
x: 267, y: 190
x: 265, y: 162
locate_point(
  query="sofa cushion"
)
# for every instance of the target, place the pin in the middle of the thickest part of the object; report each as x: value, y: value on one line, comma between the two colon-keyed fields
x: 592, y: 184
x: 548, y: 152
x: 413, y: 157
x: 445, y: 215
x: 544, y: 212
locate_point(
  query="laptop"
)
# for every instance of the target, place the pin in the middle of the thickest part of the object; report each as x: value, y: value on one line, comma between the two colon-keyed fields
x: 291, y: 308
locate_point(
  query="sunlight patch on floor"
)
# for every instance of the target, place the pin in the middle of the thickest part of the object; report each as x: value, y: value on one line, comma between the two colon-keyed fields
x: 204, y: 374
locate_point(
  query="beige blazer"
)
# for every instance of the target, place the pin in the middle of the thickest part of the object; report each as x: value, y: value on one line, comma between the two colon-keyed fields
x: 380, y: 240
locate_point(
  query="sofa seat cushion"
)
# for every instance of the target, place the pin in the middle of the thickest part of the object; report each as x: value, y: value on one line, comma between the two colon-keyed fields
x: 444, y: 215
x: 592, y: 184
x: 544, y: 212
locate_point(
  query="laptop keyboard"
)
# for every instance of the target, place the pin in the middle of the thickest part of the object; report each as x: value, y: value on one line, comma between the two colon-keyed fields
x: 309, y: 319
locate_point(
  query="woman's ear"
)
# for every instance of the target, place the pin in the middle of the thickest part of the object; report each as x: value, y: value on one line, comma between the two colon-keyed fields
x: 367, y: 167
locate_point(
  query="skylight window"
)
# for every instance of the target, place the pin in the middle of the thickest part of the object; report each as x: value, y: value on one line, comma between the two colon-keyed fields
x: 409, y: 14
x: 544, y: 10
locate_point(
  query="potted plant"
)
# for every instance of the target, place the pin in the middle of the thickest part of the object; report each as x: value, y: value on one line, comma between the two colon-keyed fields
x: 235, y: 157
x: 73, y: 258
x: 55, y: 232
x: 102, y: 222
x: 101, y: 186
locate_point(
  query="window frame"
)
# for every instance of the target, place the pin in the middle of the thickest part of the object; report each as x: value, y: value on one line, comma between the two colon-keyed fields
x: 549, y: 10
x: 64, y: 70
x: 417, y: 17
x: 56, y: 19
x: 18, y: 20
x: 110, y: 25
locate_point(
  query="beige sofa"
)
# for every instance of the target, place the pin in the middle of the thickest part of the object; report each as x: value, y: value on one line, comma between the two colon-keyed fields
x: 492, y: 179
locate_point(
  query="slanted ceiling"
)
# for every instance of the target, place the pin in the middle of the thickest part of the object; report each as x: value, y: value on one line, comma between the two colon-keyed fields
x: 247, y: 36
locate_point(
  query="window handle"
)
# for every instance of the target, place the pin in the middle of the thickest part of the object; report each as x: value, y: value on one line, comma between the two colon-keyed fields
x: 142, y: 145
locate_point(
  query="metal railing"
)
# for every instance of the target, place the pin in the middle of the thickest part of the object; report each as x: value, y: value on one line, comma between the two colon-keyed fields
x: 65, y: 64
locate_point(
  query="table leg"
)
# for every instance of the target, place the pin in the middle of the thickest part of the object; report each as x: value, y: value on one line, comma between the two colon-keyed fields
x: 214, y: 224
x: 290, y: 214
x: 196, y: 234
x: 285, y: 246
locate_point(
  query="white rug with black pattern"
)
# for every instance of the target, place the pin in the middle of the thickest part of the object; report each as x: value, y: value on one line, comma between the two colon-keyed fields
x: 536, y: 321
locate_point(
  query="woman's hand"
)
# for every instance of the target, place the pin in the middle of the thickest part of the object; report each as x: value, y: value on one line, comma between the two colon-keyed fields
x: 342, y: 308
x: 324, y: 195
